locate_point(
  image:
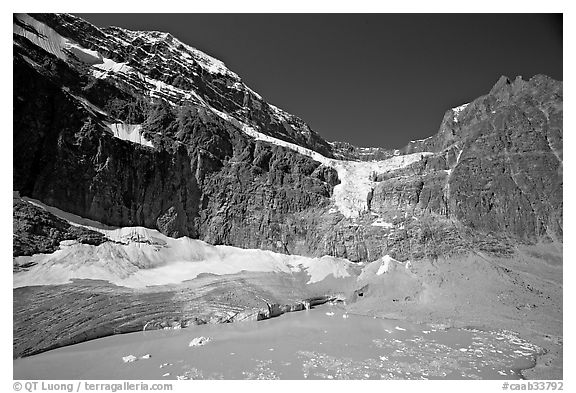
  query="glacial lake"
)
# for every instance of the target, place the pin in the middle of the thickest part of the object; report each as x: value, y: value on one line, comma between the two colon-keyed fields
x: 322, y: 343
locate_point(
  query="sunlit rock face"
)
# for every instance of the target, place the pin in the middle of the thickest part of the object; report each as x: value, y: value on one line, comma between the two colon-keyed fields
x: 498, y: 166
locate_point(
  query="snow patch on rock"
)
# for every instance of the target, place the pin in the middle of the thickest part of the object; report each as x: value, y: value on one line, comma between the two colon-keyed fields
x: 129, y: 132
x: 459, y: 155
x: 385, y: 264
x: 85, y: 55
x: 46, y: 37
x: 458, y: 110
x: 52, y: 42
x: 383, y: 267
x: 87, y: 104
x: 109, y: 66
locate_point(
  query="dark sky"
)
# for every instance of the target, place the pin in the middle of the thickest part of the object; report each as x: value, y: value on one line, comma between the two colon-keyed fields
x: 369, y: 79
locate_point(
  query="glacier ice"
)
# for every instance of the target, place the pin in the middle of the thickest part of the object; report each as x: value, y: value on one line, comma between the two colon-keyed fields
x: 137, y: 257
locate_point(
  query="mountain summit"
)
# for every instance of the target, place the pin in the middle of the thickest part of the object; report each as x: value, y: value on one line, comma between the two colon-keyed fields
x: 155, y: 65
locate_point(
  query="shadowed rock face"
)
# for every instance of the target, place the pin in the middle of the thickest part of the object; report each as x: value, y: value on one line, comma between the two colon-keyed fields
x: 209, y: 185
x: 37, y: 231
x: 495, y: 175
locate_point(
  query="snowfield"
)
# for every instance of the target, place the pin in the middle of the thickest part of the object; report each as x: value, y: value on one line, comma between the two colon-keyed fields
x: 47, y: 39
x: 85, y: 55
x: 110, y: 66
x: 138, y: 257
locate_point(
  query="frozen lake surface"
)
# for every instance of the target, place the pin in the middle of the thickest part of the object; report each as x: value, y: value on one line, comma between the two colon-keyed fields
x: 323, y: 343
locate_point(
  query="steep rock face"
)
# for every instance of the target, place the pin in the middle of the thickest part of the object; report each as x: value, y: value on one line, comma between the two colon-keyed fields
x: 498, y: 167
x: 516, y: 161
x: 84, y: 170
x: 540, y: 93
x: 258, y: 206
x: 70, y: 162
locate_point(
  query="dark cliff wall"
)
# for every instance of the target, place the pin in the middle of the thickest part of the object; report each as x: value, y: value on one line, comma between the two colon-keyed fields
x: 219, y: 185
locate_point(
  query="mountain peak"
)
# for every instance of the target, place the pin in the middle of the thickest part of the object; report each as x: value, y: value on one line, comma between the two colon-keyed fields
x: 502, y: 82
x: 157, y: 65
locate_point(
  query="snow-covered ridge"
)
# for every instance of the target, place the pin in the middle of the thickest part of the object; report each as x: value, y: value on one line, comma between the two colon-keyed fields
x: 52, y: 42
x: 207, y: 62
x: 109, y: 66
x: 184, y: 55
x: 141, y: 257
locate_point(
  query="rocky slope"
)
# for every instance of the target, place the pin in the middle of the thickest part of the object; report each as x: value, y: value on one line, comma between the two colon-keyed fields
x: 521, y: 292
